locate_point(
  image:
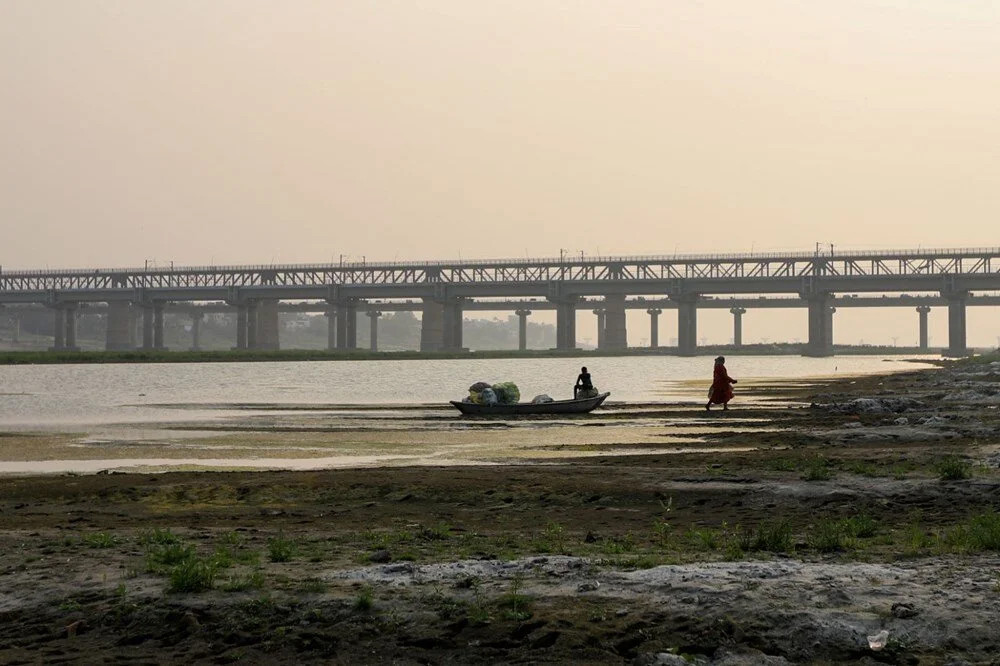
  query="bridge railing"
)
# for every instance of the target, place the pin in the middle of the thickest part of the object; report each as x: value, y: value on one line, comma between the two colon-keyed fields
x: 569, y: 260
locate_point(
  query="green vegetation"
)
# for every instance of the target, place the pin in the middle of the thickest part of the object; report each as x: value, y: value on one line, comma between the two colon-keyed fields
x: 953, y: 468
x: 280, y: 549
x: 192, y: 575
x: 100, y: 540
x: 365, y: 599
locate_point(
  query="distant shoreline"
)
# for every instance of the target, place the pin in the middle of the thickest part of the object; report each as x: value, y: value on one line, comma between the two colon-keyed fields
x: 223, y: 356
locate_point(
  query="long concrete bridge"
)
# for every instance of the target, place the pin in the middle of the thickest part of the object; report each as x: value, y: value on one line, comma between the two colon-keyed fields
x: 442, y: 291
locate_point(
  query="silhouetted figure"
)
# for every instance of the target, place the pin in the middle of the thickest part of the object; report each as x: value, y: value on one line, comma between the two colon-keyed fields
x: 584, y: 387
x: 722, y: 391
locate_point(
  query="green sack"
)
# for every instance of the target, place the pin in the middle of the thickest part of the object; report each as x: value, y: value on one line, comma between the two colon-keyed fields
x: 507, y: 393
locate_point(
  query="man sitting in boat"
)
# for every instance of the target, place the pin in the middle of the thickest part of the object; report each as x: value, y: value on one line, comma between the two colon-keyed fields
x: 584, y: 388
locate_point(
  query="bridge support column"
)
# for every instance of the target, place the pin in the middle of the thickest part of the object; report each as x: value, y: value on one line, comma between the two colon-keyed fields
x: 15, y: 328
x: 522, y: 328
x: 687, y: 324
x: 737, y: 313
x: 452, y: 325
x: 615, y: 334
x: 373, y: 316
x: 331, y: 328
x: 242, y: 317
x: 147, y: 326
x: 654, y: 327
x: 431, y: 326
x: 923, y: 341
x: 820, y: 325
x: 118, y: 333
x: 956, y: 323
x: 566, y: 324
x: 829, y: 325
x: 58, y: 329
x: 602, y: 328
x: 134, y: 326
x: 268, y: 328
x: 253, y: 311
x: 70, y: 319
x: 158, y: 325
x: 196, y: 318
x: 347, y: 324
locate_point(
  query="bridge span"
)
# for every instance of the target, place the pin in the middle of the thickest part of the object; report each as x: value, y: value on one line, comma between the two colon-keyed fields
x: 442, y: 291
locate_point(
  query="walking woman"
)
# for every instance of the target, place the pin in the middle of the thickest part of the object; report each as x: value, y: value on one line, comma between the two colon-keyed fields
x: 722, y: 391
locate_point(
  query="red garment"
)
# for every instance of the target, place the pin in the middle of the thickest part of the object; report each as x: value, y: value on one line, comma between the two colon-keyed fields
x: 722, y: 390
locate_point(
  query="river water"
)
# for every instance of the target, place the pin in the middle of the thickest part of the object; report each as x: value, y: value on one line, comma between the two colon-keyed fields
x: 58, y: 397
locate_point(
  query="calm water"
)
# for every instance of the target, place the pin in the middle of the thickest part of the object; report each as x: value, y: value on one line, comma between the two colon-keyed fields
x: 58, y: 396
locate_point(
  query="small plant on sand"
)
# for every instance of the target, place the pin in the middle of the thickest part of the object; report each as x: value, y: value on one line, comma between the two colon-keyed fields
x: 158, y: 536
x: 953, y: 468
x: 827, y: 536
x: 773, y: 537
x: 818, y: 469
x: 159, y: 557
x: 861, y: 525
x: 663, y: 533
x: 365, y: 599
x: 191, y: 575
x: 100, y: 540
x: 280, y: 549
x: 703, y: 539
x: 251, y: 581
x: 516, y: 606
x: 980, y: 533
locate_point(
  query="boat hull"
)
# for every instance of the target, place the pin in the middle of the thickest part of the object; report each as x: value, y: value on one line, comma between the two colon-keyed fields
x: 580, y: 406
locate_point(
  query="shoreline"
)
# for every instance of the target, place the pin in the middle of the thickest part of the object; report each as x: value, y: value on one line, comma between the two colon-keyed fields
x: 871, y: 510
x: 8, y: 357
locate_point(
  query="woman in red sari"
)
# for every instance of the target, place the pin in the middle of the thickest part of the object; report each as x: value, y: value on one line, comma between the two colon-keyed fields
x: 722, y: 391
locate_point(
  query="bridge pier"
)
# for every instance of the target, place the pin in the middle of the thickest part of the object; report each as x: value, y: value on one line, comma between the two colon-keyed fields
x: 196, y: 318
x: 15, y: 328
x: 602, y: 328
x: 566, y: 324
x: 431, y: 325
x: 58, y: 329
x: 687, y: 324
x: 829, y: 326
x: 737, y: 313
x: 331, y: 328
x: 956, y: 323
x: 268, y: 328
x: 119, y: 330
x: 923, y: 339
x: 820, y: 325
x: 347, y: 324
x: 253, y: 308
x: 242, y: 317
x: 522, y: 328
x: 158, y: 325
x: 452, y: 325
x: 615, y: 334
x: 373, y: 316
x: 147, y: 326
x: 654, y: 327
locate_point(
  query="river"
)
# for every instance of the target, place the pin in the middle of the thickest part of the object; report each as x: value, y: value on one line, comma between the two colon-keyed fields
x: 57, y: 397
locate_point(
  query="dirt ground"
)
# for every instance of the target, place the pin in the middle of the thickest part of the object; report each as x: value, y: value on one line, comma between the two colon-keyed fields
x: 852, y: 522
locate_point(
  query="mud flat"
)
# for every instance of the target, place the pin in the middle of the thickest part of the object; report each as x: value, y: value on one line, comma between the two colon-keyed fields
x: 849, y: 522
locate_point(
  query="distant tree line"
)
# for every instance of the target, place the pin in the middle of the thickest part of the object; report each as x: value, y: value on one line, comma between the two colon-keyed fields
x: 396, y: 331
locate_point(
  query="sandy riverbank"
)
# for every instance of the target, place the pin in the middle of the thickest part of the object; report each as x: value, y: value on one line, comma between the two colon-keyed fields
x: 779, y: 533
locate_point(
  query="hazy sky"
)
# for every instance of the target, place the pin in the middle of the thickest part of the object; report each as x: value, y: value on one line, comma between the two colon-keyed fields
x: 237, y: 131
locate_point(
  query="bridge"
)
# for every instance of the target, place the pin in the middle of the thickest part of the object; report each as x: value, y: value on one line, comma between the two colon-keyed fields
x: 442, y: 291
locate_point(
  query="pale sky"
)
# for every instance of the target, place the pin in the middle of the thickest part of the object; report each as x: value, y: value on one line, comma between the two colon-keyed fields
x: 248, y: 131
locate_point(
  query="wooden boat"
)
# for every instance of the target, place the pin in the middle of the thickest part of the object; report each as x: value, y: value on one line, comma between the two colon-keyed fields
x: 575, y: 406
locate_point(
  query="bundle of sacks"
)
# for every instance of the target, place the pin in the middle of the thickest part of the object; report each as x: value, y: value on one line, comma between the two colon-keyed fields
x: 503, y: 393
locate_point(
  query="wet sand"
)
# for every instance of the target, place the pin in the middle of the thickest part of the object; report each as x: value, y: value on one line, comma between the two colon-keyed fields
x: 776, y: 533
